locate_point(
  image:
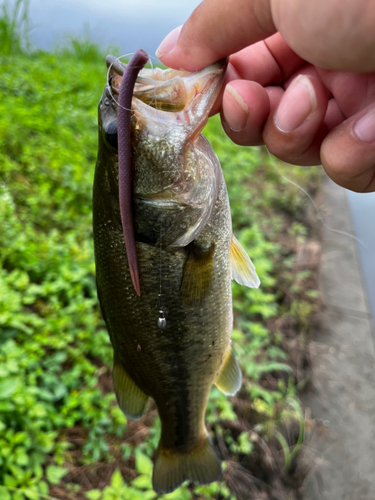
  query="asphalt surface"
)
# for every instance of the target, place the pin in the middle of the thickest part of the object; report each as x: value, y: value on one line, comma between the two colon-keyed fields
x: 343, y: 398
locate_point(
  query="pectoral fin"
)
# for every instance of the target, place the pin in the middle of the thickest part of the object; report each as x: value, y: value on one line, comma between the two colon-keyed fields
x: 197, y: 273
x: 229, y: 380
x: 130, y: 398
x: 243, y: 270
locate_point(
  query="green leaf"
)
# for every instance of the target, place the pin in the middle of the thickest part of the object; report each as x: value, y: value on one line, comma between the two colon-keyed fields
x: 4, y: 493
x: 8, y: 387
x: 116, y: 479
x: 9, y: 481
x: 143, y: 463
x: 55, y: 473
x: 93, y: 494
x: 181, y: 493
x: 285, y: 448
x: 31, y: 494
x: 147, y: 495
x: 22, y: 459
x: 17, y: 495
x: 142, y: 481
x: 43, y: 487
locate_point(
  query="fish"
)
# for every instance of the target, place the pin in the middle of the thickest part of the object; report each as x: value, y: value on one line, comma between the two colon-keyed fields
x: 170, y: 326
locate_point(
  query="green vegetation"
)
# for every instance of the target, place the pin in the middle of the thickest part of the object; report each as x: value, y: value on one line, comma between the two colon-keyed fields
x: 61, y: 432
x: 14, y: 26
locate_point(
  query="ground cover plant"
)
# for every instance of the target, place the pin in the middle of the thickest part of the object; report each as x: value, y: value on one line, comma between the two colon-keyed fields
x: 61, y: 432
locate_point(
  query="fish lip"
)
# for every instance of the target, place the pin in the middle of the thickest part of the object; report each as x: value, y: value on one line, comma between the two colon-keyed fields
x: 116, y: 64
x: 153, y: 80
x: 219, y: 66
x: 198, y: 82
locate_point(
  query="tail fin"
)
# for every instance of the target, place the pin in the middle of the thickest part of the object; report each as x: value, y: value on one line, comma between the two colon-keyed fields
x: 201, y: 465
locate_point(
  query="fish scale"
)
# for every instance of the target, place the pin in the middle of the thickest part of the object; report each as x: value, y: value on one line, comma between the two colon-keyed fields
x: 190, y: 329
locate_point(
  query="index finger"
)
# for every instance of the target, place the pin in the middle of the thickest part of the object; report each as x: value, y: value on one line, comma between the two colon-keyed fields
x: 268, y: 62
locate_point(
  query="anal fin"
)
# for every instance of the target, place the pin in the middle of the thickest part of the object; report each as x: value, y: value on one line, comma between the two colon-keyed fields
x: 243, y: 270
x: 229, y: 380
x: 131, y: 399
x: 201, y: 465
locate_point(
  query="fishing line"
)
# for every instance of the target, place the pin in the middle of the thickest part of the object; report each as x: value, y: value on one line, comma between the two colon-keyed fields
x: 108, y: 78
x: 162, y: 322
x: 318, y: 213
x: 153, y: 76
x: 109, y: 86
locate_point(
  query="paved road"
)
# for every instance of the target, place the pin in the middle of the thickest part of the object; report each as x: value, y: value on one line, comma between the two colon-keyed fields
x: 344, y: 371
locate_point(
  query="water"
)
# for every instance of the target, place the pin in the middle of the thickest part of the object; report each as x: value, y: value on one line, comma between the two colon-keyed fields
x: 127, y: 24
x: 362, y: 208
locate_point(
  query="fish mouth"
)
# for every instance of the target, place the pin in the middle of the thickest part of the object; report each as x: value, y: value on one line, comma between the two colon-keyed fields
x: 169, y: 90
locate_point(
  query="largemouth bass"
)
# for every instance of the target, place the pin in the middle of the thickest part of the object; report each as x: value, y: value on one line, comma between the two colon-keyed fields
x: 172, y: 342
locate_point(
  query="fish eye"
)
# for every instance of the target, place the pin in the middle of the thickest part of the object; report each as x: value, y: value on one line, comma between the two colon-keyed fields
x: 110, y: 134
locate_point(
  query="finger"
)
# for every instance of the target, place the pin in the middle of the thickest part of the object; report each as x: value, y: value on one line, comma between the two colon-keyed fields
x: 271, y: 62
x: 305, y: 69
x: 268, y: 62
x: 246, y: 107
x: 329, y: 34
x: 348, y: 152
x: 352, y: 92
x: 334, y: 116
x: 275, y: 95
x: 295, y: 130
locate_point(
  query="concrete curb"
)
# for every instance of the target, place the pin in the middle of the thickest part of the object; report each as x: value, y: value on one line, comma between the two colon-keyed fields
x: 343, y: 369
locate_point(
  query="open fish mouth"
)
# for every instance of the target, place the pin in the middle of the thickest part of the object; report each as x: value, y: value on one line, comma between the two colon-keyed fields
x: 166, y: 90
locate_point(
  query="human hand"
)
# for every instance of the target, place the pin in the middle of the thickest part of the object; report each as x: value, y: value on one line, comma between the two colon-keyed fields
x: 277, y: 92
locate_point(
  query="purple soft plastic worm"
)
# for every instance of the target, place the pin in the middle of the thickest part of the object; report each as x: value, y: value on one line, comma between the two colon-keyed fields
x: 136, y: 63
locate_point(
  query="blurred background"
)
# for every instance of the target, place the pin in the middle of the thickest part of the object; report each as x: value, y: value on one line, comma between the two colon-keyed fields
x: 305, y: 335
x: 121, y: 23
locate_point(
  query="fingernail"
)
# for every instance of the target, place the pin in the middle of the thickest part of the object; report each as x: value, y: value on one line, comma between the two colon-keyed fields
x: 235, y: 109
x: 168, y: 43
x: 364, y: 129
x: 297, y: 104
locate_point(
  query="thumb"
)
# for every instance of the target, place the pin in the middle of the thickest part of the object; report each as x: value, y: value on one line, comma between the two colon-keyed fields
x: 325, y: 33
x: 216, y: 29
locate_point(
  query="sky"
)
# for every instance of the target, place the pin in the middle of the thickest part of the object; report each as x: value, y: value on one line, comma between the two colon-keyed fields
x: 127, y: 24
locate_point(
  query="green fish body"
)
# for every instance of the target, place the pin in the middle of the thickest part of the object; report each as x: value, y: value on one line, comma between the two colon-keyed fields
x: 173, y: 341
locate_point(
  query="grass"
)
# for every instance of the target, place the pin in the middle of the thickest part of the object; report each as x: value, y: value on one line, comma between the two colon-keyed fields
x: 14, y: 27
x: 61, y: 432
